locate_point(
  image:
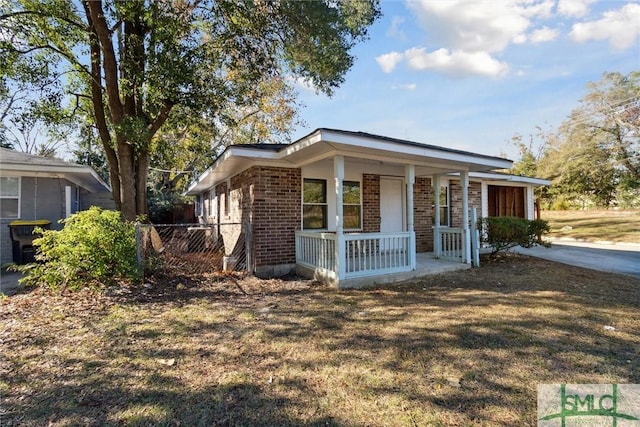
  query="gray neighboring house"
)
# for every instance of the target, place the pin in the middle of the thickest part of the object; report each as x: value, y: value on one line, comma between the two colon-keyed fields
x: 39, y: 188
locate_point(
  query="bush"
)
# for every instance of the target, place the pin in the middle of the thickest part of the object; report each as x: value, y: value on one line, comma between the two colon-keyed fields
x: 95, y: 247
x: 504, y: 233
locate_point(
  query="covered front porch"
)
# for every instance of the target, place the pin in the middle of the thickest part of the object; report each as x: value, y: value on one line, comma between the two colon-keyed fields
x: 370, y: 258
x: 344, y: 257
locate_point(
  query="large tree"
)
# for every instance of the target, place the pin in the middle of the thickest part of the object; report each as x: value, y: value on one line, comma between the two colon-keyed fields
x: 135, y: 62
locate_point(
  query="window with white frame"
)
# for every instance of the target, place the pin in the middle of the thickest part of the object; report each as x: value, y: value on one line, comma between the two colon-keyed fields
x: 9, y: 197
x: 351, y: 205
x: 444, y: 206
x: 314, y: 204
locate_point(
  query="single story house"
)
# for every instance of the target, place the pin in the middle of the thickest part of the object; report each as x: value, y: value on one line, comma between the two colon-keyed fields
x: 34, y: 188
x: 350, y: 208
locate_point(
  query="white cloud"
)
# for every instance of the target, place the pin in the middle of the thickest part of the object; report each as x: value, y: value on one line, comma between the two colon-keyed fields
x: 458, y: 63
x: 388, y: 61
x: 544, y: 34
x: 621, y: 27
x: 394, y: 30
x: 408, y: 86
x: 478, y: 26
x: 574, y: 8
x: 301, y: 83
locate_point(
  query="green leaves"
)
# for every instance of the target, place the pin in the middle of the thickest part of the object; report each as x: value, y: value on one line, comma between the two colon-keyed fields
x: 95, y: 248
x: 139, y: 61
x: 504, y: 233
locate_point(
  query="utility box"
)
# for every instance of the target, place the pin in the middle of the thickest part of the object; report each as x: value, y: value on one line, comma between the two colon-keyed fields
x: 22, y: 239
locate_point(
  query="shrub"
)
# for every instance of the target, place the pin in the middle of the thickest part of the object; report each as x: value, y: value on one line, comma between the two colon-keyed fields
x: 504, y: 233
x: 95, y: 247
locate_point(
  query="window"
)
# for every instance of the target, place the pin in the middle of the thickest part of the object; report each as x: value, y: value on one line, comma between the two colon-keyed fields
x: 9, y: 197
x: 444, y: 207
x: 199, y: 205
x: 314, y: 204
x: 351, y: 205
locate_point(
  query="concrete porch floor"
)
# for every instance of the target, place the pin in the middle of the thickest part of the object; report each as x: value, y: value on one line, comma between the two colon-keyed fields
x: 426, y: 265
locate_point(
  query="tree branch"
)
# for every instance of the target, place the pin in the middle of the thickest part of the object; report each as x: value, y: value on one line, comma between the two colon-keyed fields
x: 43, y: 15
x: 110, y: 65
x: 162, y: 116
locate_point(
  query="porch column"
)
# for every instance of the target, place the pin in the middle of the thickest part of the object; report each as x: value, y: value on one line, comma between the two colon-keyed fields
x: 410, y: 178
x: 466, y: 237
x: 437, y: 242
x: 340, y: 252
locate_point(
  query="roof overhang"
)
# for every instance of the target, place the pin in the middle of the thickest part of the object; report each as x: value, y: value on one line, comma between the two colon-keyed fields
x: 327, y: 143
x: 82, y: 176
x: 503, y: 177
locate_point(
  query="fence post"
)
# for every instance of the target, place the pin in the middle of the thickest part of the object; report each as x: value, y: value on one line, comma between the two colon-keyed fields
x: 138, y: 245
x: 475, y: 238
x: 248, y: 245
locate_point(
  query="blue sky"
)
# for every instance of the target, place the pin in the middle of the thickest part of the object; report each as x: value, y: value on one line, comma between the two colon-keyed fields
x: 471, y: 74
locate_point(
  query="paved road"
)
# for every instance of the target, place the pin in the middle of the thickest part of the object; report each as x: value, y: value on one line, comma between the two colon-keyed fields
x: 614, y: 258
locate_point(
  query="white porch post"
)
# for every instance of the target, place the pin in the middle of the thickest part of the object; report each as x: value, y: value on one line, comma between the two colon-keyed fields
x: 410, y: 177
x: 466, y: 237
x: 67, y: 201
x: 340, y: 255
x: 437, y: 243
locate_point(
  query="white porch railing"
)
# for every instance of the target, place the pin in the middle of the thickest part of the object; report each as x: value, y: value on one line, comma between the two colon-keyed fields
x: 369, y: 254
x: 451, y: 246
x: 316, y: 250
x: 366, y: 254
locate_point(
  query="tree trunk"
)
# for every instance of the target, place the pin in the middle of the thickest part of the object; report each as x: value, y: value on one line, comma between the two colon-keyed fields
x: 141, y: 183
x: 126, y: 160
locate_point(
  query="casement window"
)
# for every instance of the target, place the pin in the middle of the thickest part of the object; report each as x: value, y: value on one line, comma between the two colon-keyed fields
x: 9, y: 197
x: 352, y: 205
x: 314, y: 204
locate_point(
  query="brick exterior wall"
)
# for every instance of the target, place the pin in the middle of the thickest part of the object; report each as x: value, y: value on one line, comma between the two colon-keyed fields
x: 455, y: 204
x: 269, y: 198
x: 370, y: 203
x: 277, y: 195
x: 422, y: 222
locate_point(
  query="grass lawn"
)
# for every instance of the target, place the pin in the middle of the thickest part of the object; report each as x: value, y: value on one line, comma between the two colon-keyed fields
x: 461, y: 349
x: 591, y: 225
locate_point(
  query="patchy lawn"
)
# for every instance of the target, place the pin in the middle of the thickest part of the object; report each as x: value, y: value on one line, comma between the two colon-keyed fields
x: 461, y: 349
x: 591, y: 225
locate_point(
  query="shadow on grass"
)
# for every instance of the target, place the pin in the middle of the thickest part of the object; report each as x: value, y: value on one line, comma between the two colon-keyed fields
x: 459, y: 349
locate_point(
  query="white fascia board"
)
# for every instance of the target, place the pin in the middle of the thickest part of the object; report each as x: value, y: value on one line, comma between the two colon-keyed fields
x: 364, y: 142
x: 82, y: 176
x: 255, y: 156
x: 487, y: 176
x: 301, y: 144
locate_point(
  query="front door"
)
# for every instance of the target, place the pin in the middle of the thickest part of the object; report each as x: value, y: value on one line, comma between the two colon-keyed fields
x: 391, y: 205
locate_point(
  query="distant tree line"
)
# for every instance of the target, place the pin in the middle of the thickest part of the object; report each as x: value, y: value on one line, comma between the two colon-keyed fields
x: 593, y: 158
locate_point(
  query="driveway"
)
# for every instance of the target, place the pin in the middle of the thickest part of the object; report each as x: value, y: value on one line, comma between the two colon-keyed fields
x: 613, y: 258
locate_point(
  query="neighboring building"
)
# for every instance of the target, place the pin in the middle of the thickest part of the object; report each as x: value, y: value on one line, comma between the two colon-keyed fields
x: 398, y: 198
x: 39, y: 188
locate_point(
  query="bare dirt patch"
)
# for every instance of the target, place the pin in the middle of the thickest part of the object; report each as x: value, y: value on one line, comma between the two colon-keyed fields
x: 465, y: 348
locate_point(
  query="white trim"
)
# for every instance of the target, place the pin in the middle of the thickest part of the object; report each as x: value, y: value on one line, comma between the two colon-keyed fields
x: 337, y: 143
x: 71, y: 173
x: 506, y: 178
x: 67, y: 201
